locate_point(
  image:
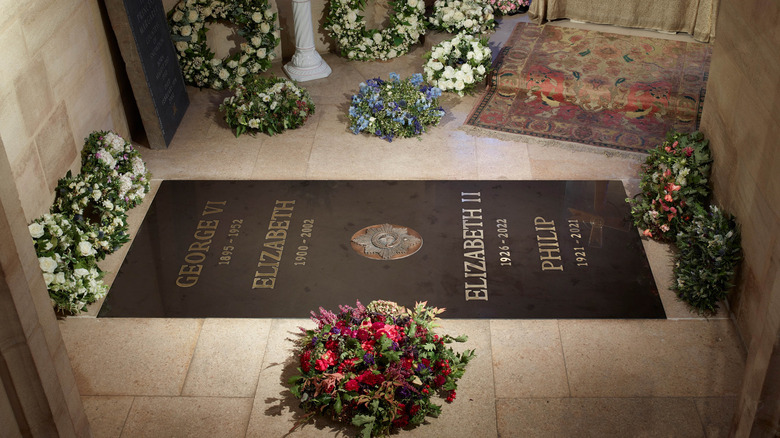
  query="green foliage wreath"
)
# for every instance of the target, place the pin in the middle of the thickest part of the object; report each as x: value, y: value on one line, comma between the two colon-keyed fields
x: 348, y: 28
x: 256, y: 23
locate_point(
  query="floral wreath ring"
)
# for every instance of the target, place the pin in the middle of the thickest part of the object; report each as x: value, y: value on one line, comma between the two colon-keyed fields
x: 348, y: 28
x: 256, y: 23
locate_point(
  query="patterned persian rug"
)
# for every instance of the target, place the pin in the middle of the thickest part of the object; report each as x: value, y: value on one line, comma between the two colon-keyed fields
x: 616, y: 91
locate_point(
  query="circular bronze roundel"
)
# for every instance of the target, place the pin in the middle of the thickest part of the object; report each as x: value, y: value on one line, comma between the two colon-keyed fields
x: 386, y: 242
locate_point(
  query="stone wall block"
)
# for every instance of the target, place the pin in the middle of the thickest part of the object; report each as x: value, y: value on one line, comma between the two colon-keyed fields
x: 15, y: 54
x: 34, y: 95
x: 12, y: 127
x: 56, y: 146
x: 31, y: 181
x: 43, y: 20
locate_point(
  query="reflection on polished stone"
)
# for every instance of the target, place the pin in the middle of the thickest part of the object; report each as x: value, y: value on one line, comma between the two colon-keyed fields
x: 492, y: 249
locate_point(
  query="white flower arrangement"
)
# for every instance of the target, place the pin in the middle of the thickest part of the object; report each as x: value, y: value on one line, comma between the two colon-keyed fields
x: 347, y: 27
x: 456, y: 16
x: 113, y: 159
x: 67, y: 259
x: 458, y: 64
x: 269, y: 105
x: 88, y: 220
x: 257, y: 24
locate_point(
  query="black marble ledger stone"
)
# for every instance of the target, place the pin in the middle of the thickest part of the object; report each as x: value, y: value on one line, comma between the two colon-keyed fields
x: 490, y: 249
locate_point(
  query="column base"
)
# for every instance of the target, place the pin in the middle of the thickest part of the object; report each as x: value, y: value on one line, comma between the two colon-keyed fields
x: 307, y: 65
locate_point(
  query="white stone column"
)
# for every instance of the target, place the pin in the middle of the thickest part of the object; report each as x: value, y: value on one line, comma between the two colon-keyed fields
x: 306, y: 63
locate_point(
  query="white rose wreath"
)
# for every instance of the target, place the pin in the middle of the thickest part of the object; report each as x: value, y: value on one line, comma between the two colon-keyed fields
x: 458, y: 64
x: 455, y: 16
x: 257, y: 24
x: 348, y: 28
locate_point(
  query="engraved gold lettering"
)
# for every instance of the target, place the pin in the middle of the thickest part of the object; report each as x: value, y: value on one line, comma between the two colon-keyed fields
x: 198, y: 250
x: 203, y: 235
x: 266, y: 254
x: 473, y: 234
x: 279, y: 225
x: 211, y: 209
x: 476, y: 295
x: 547, y: 241
x: 200, y: 246
x: 477, y: 197
x: 263, y: 282
x: 474, y: 266
x: 468, y: 266
x: 265, y: 276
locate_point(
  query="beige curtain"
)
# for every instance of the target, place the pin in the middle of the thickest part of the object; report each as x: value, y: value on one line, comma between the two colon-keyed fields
x: 695, y: 17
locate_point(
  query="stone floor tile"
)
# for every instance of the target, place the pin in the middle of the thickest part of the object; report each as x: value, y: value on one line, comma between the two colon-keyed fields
x: 128, y: 356
x: 106, y: 414
x: 284, y: 159
x: 473, y: 413
x: 598, y: 417
x: 528, y: 359
x: 190, y: 417
x: 716, y: 414
x: 644, y: 358
x: 498, y: 159
x: 227, y: 358
x: 440, y: 155
x: 235, y: 162
x: 563, y: 160
x: 275, y: 409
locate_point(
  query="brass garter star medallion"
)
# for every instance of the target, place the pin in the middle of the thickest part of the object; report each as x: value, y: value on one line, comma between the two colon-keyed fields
x: 386, y: 242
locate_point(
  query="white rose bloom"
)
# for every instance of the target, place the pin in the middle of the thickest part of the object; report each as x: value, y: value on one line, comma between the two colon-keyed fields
x: 449, y: 72
x: 351, y: 16
x: 481, y: 69
x: 232, y: 64
x: 186, y: 30
x: 223, y: 74
x: 459, y: 85
x: 36, y: 230
x: 85, y: 248
x: 269, y: 14
x: 47, y: 264
x: 59, y: 277
x: 192, y: 15
x: 261, y: 52
x: 256, y: 41
x: 177, y: 16
x: 377, y: 38
x: 80, y: 272
x: 469, y: 22
x: 48, y: 277
x: 265, y: 28
x: 413, y: 3
x: 257, y: 17
x: 181, y: 46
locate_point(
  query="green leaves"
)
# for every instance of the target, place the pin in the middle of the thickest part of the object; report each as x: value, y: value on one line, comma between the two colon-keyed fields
x: 267, y: 105
x: 674, y: 206
x: 365, y: 422
x: 376, y: 366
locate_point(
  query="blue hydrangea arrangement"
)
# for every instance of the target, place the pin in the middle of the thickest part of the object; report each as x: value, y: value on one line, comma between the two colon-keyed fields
x: 395, y: 108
